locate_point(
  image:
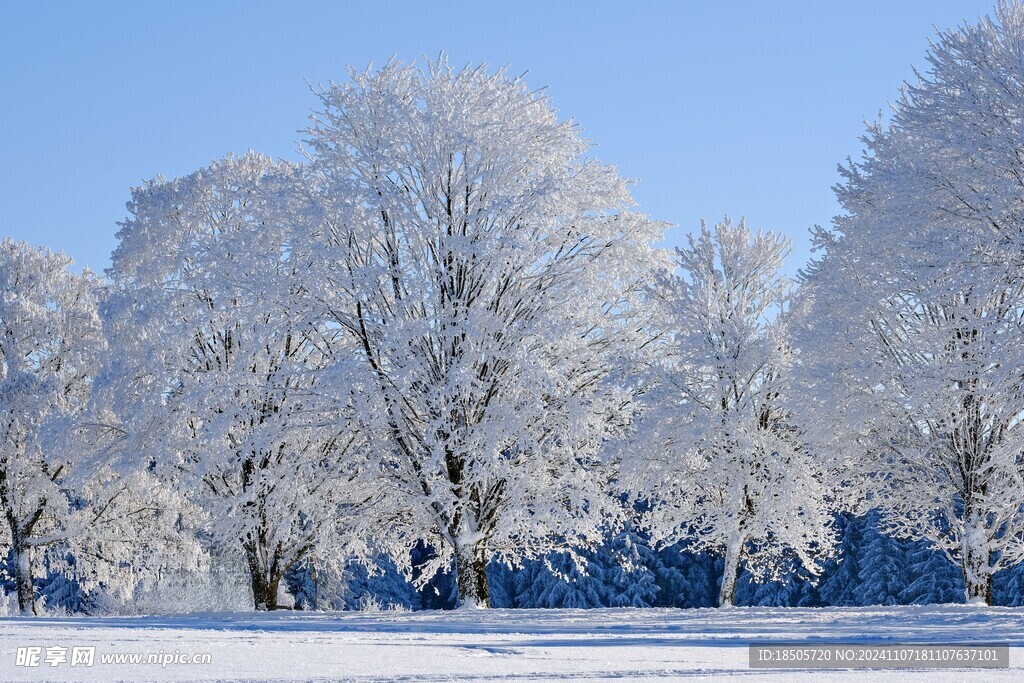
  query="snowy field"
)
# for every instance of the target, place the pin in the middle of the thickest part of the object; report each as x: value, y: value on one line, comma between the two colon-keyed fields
x: 496, y: 644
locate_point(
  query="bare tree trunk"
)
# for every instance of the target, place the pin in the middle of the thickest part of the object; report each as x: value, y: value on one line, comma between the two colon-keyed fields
x: 977, y: 575
x: 21, y: 548
x: 471, y: 575
x: 730, y: 573
x: 23, y: 581
x: 263, y: 579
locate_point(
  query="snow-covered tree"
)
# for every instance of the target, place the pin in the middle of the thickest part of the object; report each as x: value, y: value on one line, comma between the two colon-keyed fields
x: 50, y: 340
x: 875, y: 567
x: 686, y: 579
x: 216, y: 376
x: 716, y: 449
x: 1008, y: 587
x: 840, y: 574
x: 629, y: 571
x: 361, y: 585
x: 917, y: 323
x: 932, y: 578
x: 881, y: 562
x: 488, y: 272
x: 563, y: 581
x: 60, y: 489
x: 790, y: 587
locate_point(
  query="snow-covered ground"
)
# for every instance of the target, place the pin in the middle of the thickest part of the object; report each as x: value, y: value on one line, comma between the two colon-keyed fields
x: 494, y: 644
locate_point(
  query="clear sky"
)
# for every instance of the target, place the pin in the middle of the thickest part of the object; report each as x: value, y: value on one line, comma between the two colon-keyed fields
x: 742, y: 108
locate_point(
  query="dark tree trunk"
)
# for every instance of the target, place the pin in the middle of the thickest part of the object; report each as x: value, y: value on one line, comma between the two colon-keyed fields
x: 23, y: 582
x: 471, y: 575
x: 21, y: 548
x: 264, y: 581
x: 977, y: 576
x: 980, y: 591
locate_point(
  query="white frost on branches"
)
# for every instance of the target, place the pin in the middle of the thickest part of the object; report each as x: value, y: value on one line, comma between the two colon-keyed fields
x: 717, y: 451
x: 487, y: 273
x: 918, y: 316
x: 218, y: 371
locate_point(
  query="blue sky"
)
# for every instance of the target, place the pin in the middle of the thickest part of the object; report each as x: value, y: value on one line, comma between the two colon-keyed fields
x: 742, y: 108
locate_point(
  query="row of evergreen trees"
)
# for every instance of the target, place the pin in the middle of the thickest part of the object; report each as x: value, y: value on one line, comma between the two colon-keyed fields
x: 872, y: 568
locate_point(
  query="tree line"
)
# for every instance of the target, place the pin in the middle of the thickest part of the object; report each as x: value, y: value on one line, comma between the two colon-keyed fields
x: 447, y: 333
